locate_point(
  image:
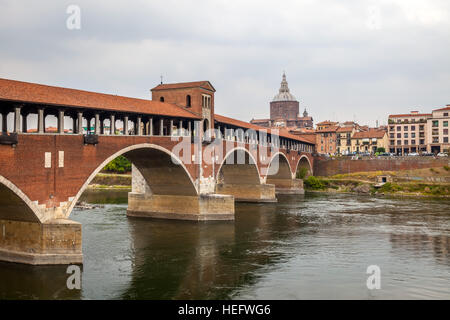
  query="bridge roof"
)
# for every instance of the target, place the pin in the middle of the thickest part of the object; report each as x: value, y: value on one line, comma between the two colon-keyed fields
x: 281, y: 132
x: 12, y: 90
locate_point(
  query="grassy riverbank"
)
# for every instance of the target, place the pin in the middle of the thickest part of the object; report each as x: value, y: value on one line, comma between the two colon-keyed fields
x: 423, y: 182
x: 111, y: 181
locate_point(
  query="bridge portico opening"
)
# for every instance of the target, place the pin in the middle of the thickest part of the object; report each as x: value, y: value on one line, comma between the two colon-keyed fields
x: 239, y: 176
x: 280, y: 174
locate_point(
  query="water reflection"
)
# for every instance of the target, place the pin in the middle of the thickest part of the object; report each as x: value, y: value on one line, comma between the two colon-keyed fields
x: 313, y: 246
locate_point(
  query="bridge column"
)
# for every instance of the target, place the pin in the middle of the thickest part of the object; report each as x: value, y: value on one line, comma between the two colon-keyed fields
x: 143, y: 203
x: 161, y: 127
x: 138, y: 129
x: 97, y: 123
x: 17, y: 126
x: 125, y: 125
x: 150, y: 129
x: 112, y: 126
x: 60, y: 121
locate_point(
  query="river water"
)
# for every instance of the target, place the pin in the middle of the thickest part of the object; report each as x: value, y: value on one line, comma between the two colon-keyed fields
x: 315, y: 246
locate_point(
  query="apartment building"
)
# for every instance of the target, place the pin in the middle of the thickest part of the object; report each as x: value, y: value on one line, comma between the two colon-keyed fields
x: 437, y: 129
x: 407, y: 133
x: 343, y: 139
x: 369, y: 141
x: 326, y: 139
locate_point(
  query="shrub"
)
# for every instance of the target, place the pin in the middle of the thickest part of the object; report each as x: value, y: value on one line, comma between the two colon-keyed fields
x: 447, y: 168
x: 314, y: 183
x: 381, y: 150
x: 118, y: 165
x: 302, y: 172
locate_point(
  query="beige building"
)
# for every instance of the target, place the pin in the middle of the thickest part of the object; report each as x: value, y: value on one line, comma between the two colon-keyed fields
x: 407, y: 132
x: 344, y: 139
x: 369, y: 141
x: 437, y: 129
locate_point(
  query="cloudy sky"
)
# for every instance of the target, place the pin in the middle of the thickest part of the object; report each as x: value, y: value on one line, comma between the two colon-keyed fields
x: 344, y: 60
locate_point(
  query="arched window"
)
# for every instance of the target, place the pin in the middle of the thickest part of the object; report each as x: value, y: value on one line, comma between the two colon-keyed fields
x: 205, y: 129
x: 188, y: 100
x: 161, y: 99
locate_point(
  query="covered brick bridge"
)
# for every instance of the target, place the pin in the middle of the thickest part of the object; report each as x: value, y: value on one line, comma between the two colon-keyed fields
x: 188, y: 162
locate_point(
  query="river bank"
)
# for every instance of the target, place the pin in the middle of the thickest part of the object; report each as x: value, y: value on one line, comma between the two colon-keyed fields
x: 432, y: 182
x: 111, y: 181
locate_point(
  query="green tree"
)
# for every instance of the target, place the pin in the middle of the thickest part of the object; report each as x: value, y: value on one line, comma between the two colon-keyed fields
x: 118, y: 165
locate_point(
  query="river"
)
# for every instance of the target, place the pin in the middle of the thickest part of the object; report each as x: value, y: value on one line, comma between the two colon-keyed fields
x: 316, y: 246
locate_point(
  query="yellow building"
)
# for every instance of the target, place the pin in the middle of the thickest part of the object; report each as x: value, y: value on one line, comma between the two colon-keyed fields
x: 369, y: 141
x: 343, y: 140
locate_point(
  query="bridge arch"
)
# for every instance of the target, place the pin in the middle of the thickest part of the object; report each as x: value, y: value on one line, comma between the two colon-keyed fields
x: 15, y: 205
x: 238, y: 173
x: 163, y: 171
x: 281, y: 170
x: 304, y: 162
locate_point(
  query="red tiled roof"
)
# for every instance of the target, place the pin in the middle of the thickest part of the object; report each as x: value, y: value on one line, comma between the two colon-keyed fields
x: 443, y: 109
x: 345, y: 129
x: 369, y: 134
x: 19, y: 91
x: 409, y: 115
x: 238, y: 123
x: 182, y: 85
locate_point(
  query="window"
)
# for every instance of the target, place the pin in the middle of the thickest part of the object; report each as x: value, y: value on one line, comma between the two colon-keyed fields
x: 399, y: 142
x: 406, y: 135
x: 413, y: 128
x: 399, y: 128
x: 445, y: 123
x: 445, y: 139
x: 391, y: 128
x: 405, y: 128
x: 392, y: 142
x: 413, y: 141
x: 421, y: 128
x: 435, y: 139
x: 435, y: 123
x: 188, y: 101
x: 391, y: 135
x: 413, y: 134
x: 405, y: 142
x: 422, y: 141
x: 399, y: 135
x: 446, y: 131
x: 161, y: 99
x: 445, y: 114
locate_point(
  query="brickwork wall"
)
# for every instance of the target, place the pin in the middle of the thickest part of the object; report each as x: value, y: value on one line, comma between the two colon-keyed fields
x: 329, y: 167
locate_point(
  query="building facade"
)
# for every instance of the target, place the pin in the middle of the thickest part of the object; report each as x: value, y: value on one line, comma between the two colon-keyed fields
x: 284, y: 111
x: 369, y: 141
x: 419, y: 132
x: 437, y: 129
x: 407, y: 133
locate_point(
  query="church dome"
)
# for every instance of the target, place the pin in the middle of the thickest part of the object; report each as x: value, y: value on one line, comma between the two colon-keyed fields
x: 284, y: 94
